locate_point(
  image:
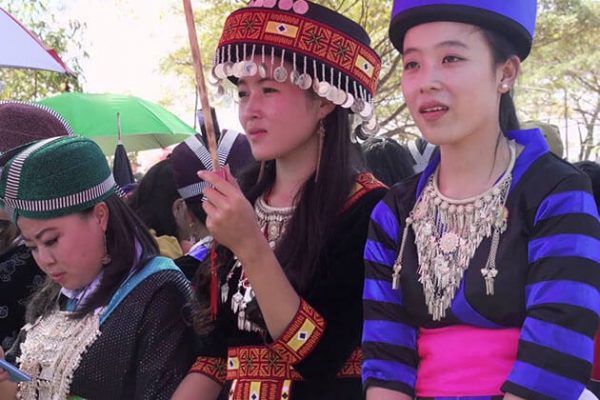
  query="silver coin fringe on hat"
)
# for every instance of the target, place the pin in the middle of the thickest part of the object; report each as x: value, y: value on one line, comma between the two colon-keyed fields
x: 267, y: 33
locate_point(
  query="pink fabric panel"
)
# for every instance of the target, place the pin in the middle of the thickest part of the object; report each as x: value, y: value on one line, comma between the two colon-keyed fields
x: 465, y: 360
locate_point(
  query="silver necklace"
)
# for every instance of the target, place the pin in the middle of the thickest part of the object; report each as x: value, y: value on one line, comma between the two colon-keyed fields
x: 272, y: 222
x: 447, y: 234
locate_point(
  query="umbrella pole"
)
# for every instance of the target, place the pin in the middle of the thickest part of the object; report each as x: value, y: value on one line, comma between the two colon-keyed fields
x: 210, y: 126
x: 119, y: 134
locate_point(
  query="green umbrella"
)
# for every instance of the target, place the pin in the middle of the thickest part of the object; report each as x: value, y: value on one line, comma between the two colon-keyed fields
x: 145, y: 125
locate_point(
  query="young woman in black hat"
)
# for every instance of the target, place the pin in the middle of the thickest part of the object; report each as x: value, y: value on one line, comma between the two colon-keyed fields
x: 292, y: 231
x: 483, y: 271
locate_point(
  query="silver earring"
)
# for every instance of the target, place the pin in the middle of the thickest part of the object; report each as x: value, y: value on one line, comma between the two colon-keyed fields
x: 504, y: 87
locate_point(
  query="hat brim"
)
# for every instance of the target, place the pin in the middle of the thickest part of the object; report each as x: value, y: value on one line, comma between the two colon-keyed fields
x: 513, y: 31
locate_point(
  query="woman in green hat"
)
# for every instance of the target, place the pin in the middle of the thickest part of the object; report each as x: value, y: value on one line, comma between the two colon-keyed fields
x: 108, y: 322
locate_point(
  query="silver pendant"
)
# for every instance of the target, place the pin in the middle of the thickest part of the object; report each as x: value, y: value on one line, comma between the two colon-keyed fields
x: 262, y: 70
x: 349, y: 101
x: 219, y: 71
x: 236, y: 301
x: 304, y: 81
x: 358, y: 106
x: 340, y: 98
x: 238, y: 69
x: 250, y: 68
x: 248, y: 296
x: 224, y: 292
x: 332, y: 93
x: 396, y: 280
x: 280, y: 74
x: 323, y: 89
x: 228, y: 69
x: 301, y: 7
x: 367, y: 112
x: 241, y: 320
x: 371, y: 127
x: 315, y: 85
x: 286, y: 5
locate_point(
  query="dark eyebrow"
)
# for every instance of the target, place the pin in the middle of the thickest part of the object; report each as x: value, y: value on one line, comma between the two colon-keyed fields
x: 452, y: 43
x: 445, y: 43
x: 40, y: 233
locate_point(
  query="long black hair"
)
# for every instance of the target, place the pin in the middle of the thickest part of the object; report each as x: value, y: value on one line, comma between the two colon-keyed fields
x: 318, y: 206
x: 388, y: 160
x: 502, y: 49
x: 153, y: 199
x: 129, y: 244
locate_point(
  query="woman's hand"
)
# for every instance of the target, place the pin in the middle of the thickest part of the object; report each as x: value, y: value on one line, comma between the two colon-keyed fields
x: 230, y: 217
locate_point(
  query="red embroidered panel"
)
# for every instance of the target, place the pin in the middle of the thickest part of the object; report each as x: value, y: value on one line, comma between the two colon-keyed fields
x: 365, y: 183
x: 213, y: 367
x: 306, y: 37
x: 301, y: 336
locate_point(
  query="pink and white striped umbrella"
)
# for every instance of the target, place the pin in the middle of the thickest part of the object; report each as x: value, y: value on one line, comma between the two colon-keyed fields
x: 20, y: 48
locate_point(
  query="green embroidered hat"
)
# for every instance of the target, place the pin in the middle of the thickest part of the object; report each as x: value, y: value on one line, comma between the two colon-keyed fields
x: 55, y: 177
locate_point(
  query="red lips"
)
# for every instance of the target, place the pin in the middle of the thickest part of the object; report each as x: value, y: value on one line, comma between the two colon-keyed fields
x: 433, y: 110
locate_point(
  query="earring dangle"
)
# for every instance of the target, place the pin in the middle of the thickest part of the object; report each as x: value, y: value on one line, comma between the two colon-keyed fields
x: 321, y: 134
x: 261, y: 172
x: 192, y: 238
x: 106, y: 259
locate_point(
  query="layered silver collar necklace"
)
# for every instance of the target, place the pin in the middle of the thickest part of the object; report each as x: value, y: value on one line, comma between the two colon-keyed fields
x: 447, y: 234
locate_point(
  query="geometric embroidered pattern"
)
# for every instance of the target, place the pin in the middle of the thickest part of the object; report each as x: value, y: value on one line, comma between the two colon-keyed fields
x: 306, y: 37
x: 213, y: 367
x: 365, y: 182
x: 259, y: 371
x: 301, y: 336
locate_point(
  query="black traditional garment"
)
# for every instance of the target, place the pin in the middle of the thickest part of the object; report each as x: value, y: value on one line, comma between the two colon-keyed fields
x: 19, y: 278
x: 546, y: 290
x: 198, y: 254
x: 318, y: 356
x: 145, y: 347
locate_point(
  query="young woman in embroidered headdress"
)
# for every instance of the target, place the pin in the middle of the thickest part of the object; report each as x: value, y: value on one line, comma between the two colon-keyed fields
x: 483, y: 271
x: 290, y: 263
x: 108, y: 323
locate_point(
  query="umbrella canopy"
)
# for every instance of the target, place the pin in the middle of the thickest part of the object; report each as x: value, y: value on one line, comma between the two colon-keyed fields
x: 145, y: 125
x: 20, y: 48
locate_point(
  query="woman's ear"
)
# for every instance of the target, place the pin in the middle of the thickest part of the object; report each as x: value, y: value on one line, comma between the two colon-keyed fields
x: 101, y: 214
x: 508, y: 74
x: 179, y: 210
x: 326, y: 107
